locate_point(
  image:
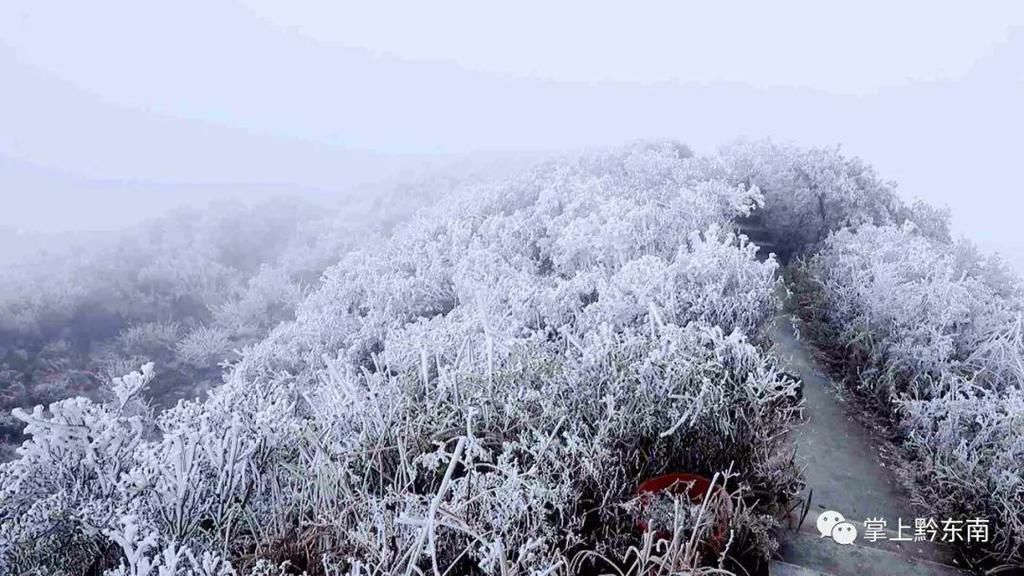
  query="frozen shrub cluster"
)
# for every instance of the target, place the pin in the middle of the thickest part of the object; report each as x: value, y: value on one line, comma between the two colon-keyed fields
x: 922, y: 312
x: 205, y: 346
x: 267, y: 299
x: 810, y: 193
x: 934, y: 334
x: 480, y: 393
x: 149, y: 338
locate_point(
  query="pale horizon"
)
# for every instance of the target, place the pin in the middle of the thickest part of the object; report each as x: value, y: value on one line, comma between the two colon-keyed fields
x: 172, y: 105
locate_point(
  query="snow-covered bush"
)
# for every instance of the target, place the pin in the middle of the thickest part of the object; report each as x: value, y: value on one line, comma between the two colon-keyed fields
x: 268, y: 298
x: 65, y: 486
x: 94, y: 475
x: 933, y: 332
x: 498, y: 315
x: 972, y: 442
x: 919, y: 311
x: 809, y: 193
x: 149, y: 338
x: 205, y: 346
x: 549, y: 442
x: 480, y: 393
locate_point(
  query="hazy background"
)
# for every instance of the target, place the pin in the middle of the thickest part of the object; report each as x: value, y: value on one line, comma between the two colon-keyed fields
x: 111, y: 111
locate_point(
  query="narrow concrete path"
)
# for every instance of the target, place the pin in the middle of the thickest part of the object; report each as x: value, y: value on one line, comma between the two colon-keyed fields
x: 842, y: 466
x: 842, y: 462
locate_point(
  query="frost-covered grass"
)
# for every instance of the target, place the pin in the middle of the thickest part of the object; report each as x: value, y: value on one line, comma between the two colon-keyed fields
x: 932, y: 333
x: 480, y: 392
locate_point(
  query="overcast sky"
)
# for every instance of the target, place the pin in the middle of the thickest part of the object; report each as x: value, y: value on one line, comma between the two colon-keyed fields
x: 109, y: 110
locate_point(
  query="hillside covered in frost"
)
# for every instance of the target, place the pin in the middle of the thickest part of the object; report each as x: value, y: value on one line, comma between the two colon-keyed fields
x: 473, y: 376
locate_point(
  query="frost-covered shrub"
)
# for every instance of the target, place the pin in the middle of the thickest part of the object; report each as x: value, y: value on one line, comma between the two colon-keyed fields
x: 150, y: 338
x: 205, y: 346
x: 268, y: 299
x: 550, y: 225
x: 64, y: 487
x: 93, y: 475
x: 481, y: 392
x: 809, y: 193
x: 503, y: 289
x: 144, y: 556
x: 972, y: 441
x: 933, y: 332
x: 550, y: 439
x: 919, y: 311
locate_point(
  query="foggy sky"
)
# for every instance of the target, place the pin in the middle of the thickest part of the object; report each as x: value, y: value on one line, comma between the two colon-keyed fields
x: 110, y: 111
